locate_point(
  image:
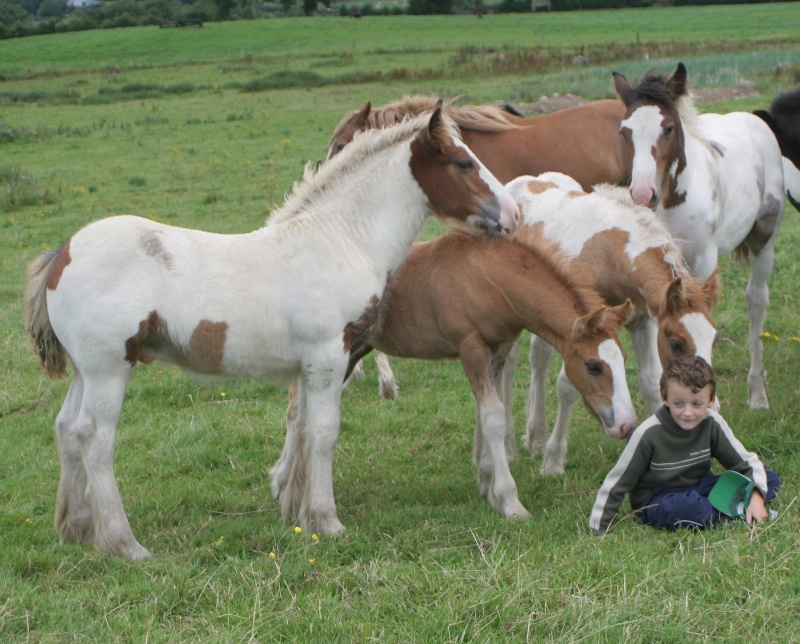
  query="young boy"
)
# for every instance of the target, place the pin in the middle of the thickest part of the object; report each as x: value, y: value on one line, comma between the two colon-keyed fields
x: 666, y: 466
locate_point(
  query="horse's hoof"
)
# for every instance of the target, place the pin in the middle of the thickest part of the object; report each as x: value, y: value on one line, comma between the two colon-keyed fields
x: 532, y: 445
x: 388, y: 391
x: 551, y: 469
x: 516, y: 511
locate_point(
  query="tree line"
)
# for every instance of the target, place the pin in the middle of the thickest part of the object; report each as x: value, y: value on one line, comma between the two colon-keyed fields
x: 20, y: 18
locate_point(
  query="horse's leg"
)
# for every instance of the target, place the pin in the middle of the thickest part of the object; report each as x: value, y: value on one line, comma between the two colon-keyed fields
x: 644, y: 337
x: 494, y: 475
x: 280, y: 471
x: 387, y: 385
x: 73, y: 517
x: 311, y: 475
x: 555, y: 452
x: 95, y: 432
x: 505, y: 383
x: 536, y: 425
x: 757, y: 304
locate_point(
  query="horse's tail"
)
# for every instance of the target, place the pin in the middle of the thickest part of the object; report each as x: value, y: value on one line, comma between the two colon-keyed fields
x: 37, y: 320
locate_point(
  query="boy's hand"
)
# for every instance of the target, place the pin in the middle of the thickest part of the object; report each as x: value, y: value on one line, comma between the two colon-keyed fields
x: 755, y: 509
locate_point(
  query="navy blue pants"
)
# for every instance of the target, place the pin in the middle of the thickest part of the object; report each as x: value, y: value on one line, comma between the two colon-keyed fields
x: 675, y: 507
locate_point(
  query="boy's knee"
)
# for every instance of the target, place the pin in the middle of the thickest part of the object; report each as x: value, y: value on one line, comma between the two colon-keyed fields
x: 681, y: 509
x: 773, y: 483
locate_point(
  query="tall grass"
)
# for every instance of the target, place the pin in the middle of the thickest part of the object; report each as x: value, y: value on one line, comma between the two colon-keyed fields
x: 423, y: 558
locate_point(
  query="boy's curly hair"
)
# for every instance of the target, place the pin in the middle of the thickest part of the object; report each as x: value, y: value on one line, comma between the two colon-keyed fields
x: 690, y: 371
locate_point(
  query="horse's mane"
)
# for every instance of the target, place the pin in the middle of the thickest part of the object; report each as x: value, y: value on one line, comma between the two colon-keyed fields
x: 318, y: 179
x: 654, y: 231
x: 479, y: 118
x: 570, y: 275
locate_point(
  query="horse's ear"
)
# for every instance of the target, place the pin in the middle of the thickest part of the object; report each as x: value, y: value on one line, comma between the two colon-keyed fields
x: 677, y: 82
x: 674, y: 299
x: 599, y: 320
x: 622, y: 313
x: 712, y: 288
x: 436, y: 128
x: 623, y: 87
x: 363, y: 115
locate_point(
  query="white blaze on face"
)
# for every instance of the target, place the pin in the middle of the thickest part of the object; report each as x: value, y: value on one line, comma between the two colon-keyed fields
x: 702, y: 332
x: 645, y: 127
x: 509, y: 210
x: 624, y: 414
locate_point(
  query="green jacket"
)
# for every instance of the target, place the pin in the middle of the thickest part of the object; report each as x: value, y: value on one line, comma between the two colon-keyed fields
x: 661, y: 454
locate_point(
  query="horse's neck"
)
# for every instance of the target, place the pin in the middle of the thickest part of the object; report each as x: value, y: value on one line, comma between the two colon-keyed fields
x: 653, y: 269
x: 375, y: 214
x: 547, y: 301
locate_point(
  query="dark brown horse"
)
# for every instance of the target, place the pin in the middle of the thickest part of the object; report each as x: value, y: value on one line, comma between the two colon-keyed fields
x: 582, y: 142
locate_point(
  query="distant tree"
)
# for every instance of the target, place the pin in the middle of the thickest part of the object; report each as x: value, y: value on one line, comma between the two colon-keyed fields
x: 287, y: 6
x: 224, y: 8
x: 11, y: 12
x: 425, y: 7
x: 309, y: 7
x: 52, y: 9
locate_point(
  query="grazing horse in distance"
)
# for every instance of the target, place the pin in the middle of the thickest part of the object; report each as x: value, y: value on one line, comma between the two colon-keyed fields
x: 783, y: 118
x: 629, y: 255
x: 285, y: 304
x: 716, y: 181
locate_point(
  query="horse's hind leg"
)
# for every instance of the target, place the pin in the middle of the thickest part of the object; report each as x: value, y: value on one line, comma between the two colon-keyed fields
x: 95, y: 433
x: 536, y: 428
x: 387, y: 384
x: 757, y: 304
x: 73, y: 517
x: 280, y: 471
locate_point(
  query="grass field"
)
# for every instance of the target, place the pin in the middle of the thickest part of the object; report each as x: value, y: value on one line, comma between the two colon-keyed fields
x: 208, y: 129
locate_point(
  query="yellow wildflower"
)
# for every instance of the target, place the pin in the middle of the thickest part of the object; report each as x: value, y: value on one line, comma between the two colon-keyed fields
x: 297, y: 529
x: 314, y: 537
x: 272, y: 555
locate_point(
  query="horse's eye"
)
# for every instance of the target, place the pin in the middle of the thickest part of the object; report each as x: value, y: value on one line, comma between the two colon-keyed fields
x: 465, y: 164
x: 594, y: 367
x: 669, y: 130
x: 676, y: 346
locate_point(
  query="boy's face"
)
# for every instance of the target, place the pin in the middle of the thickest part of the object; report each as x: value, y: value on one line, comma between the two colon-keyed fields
x: 687, y: 407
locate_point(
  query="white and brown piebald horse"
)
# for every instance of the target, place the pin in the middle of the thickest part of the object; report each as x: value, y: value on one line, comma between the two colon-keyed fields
x: 717, y: 183
x: 629, y: 255
x: 286, y: 304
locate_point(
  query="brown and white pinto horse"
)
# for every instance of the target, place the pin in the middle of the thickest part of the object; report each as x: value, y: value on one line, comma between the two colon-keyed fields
x: 783, y: 118
x: 462, y: 297
x: 629, y: 255
x: 716, y: 181
x: 278, y: 304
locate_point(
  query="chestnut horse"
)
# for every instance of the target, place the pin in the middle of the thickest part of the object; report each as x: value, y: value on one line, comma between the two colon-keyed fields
x: 783, y: 118
x: 278, y: 304
x: 716, y: 181
x: 629, y: 255
x: 458, y: 296
x: 582, y: 142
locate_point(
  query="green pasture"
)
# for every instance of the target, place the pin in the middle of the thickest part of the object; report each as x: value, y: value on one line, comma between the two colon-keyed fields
x: 209, y: 129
